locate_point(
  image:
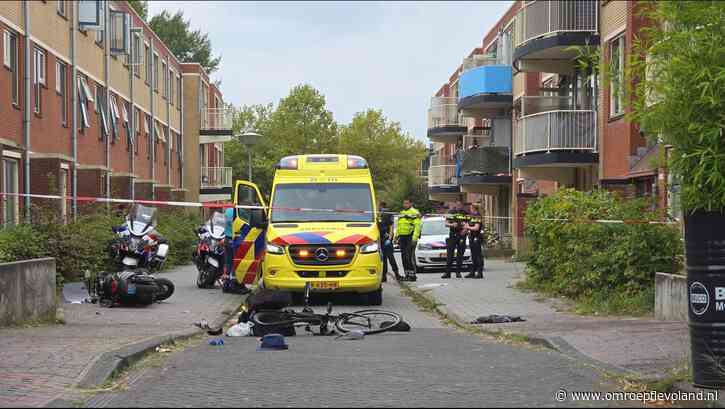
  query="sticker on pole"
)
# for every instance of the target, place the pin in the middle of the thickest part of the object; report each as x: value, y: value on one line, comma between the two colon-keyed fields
x: 699, y: 298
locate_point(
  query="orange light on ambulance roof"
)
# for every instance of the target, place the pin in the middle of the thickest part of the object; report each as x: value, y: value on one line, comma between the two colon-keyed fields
x: 341, y: 253
x: 304, y: 253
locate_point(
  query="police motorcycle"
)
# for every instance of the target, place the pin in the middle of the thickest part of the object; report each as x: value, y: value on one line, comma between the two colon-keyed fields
x: 137, y: 252
x: 210, y: 251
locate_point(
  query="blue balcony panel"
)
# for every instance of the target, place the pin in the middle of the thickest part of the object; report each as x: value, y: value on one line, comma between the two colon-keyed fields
x: 485, y: 90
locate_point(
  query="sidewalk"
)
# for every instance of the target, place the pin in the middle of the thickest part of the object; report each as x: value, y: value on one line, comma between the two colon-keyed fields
x: 641, y: 346
x: 41, y: 364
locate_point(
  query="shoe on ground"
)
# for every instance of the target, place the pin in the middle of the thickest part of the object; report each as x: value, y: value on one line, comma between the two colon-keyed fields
x: 472, y: 275
x: 446, y: 276
x: 459, y: 275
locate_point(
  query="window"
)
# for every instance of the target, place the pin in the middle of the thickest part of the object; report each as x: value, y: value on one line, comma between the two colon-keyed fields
x: 136, y: 60
x: 115, y: 117
x: 101, y: 105
x: 84, y: 96
x: 11, y: 204
x: 60, y: 88
x: 39, y: 79
x: 178, y: 92
x: 164, y: 94
x: 148, y: 65
x: 156, y: 72
x: 61, y: 7
x: 137, y: 128
x: 10, y: 59
x: 616, y: 88
x: 147, y: 128
x: 170, y: 79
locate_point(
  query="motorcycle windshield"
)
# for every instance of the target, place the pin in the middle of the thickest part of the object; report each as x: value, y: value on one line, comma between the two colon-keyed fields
x: 142, y: 219
x: 216, y: 225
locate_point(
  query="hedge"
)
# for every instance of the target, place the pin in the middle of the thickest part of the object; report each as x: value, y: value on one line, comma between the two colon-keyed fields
x: 82, y: 245
x: 598, y: 262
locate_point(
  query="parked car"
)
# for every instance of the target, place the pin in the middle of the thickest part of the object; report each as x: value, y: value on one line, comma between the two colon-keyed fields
x: 430, y: 253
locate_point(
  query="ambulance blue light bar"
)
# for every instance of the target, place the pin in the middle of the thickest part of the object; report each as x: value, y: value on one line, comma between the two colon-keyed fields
x: 356, y: 162
x: 289, y: 163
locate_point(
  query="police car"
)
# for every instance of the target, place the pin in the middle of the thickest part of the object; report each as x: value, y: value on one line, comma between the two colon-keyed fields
x: 430, y: 253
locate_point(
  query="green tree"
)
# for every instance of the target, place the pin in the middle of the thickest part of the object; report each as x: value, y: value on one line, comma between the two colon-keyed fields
x: 406, y: 186
x: 381, y: 142
x: 187, y: 45
x: 679, y: 95
x: 141, y: 7
x: 301, y: 124
x: 235, y: 154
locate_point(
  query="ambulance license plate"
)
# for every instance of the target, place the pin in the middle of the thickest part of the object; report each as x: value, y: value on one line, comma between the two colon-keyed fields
x: 326, y: 285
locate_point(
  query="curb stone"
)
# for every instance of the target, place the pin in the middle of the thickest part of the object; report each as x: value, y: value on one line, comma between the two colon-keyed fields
x: 112, y: 362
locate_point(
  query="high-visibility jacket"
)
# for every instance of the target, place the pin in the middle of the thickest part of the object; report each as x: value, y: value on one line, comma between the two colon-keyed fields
x: 409, y: 223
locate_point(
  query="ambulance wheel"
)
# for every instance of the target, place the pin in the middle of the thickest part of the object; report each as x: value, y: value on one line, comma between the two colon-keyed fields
x: 374, y: 298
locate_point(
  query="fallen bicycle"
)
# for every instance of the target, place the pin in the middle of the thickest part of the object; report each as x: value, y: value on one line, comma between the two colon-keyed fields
x: 368, y: 321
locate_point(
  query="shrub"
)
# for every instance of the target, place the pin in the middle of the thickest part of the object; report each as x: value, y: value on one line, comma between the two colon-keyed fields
x: 82, y: 245
x: 573, y: 257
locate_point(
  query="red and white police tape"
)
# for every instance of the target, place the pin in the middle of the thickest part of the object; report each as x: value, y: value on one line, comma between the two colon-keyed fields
x: 85, y: 199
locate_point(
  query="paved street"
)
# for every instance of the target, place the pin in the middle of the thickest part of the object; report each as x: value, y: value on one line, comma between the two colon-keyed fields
x: 40, y: 364
x: 432, y: 366
x: 641, y: 345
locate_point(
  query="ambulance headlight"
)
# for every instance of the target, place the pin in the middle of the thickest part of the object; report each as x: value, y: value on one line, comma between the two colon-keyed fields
x: 369, y: 248
x: 274, y: 249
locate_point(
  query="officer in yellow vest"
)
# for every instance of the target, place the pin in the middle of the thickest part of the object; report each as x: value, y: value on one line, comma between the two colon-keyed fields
x: 407, y: 235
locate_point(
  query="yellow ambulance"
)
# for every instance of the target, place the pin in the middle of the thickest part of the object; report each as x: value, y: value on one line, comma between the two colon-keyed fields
x: 320, y: 228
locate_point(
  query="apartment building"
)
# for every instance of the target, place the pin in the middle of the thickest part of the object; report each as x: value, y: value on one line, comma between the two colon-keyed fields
x: 552, y: 116
x: 117, y: 128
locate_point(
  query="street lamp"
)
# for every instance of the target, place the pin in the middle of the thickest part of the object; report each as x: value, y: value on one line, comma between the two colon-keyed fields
x: 249, y: 138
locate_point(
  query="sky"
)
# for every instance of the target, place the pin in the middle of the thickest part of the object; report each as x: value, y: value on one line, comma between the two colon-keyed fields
x: 392, y: 56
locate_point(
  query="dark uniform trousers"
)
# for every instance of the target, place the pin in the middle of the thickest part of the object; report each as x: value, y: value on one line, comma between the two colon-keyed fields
x: 455, y: 244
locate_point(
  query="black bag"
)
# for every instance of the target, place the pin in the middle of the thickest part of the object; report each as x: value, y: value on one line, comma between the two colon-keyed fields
x: 265, y: 299
x: 284, y: 330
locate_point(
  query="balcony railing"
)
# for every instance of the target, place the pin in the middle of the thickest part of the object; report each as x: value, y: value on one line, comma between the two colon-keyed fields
x: 487, y: 160
x: 541, y: 18
x: 548, y: 124
x: 443, y: 112
x: 479, y: 60
x: 442, y: 176
x: 216, y: 177
x: 217, y: 120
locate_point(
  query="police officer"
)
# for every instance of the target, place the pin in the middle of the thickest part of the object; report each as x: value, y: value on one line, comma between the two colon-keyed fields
x: 457, y: 222
x: 407, y: 235
x: 385, y: 225
x: 475, y: 241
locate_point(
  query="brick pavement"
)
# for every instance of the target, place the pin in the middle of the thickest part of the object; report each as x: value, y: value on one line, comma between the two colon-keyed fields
x: 432, y: 366
x: 640, y: 345
x: 40, y: 364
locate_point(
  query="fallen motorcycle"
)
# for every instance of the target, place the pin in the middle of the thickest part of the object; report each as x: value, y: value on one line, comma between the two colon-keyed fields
x: 210, y: 251
x: 137, y: 252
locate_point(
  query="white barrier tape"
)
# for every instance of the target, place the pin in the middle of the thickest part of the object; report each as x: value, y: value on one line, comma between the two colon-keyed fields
x: 301, y: 209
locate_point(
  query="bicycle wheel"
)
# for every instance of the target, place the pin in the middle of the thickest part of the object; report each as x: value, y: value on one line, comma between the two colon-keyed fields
x: 282, y: 318
x: 368, y: 321
x: 272, y: 318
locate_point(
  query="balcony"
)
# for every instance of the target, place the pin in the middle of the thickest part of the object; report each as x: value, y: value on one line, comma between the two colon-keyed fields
x: 554, y: 131
x: 445, y: 125
x: 546, y: 31
x: 216, y: 125
x: 484, y: 87
x: 216, y: 178
x: 442, y: 182
x: 486, y: 165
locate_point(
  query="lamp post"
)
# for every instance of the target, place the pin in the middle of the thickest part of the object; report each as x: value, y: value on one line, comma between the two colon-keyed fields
x: 249, y: 139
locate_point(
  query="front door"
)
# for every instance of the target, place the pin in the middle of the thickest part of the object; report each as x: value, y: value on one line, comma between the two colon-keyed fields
x: 10, y: 185
x: 250, y: 243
